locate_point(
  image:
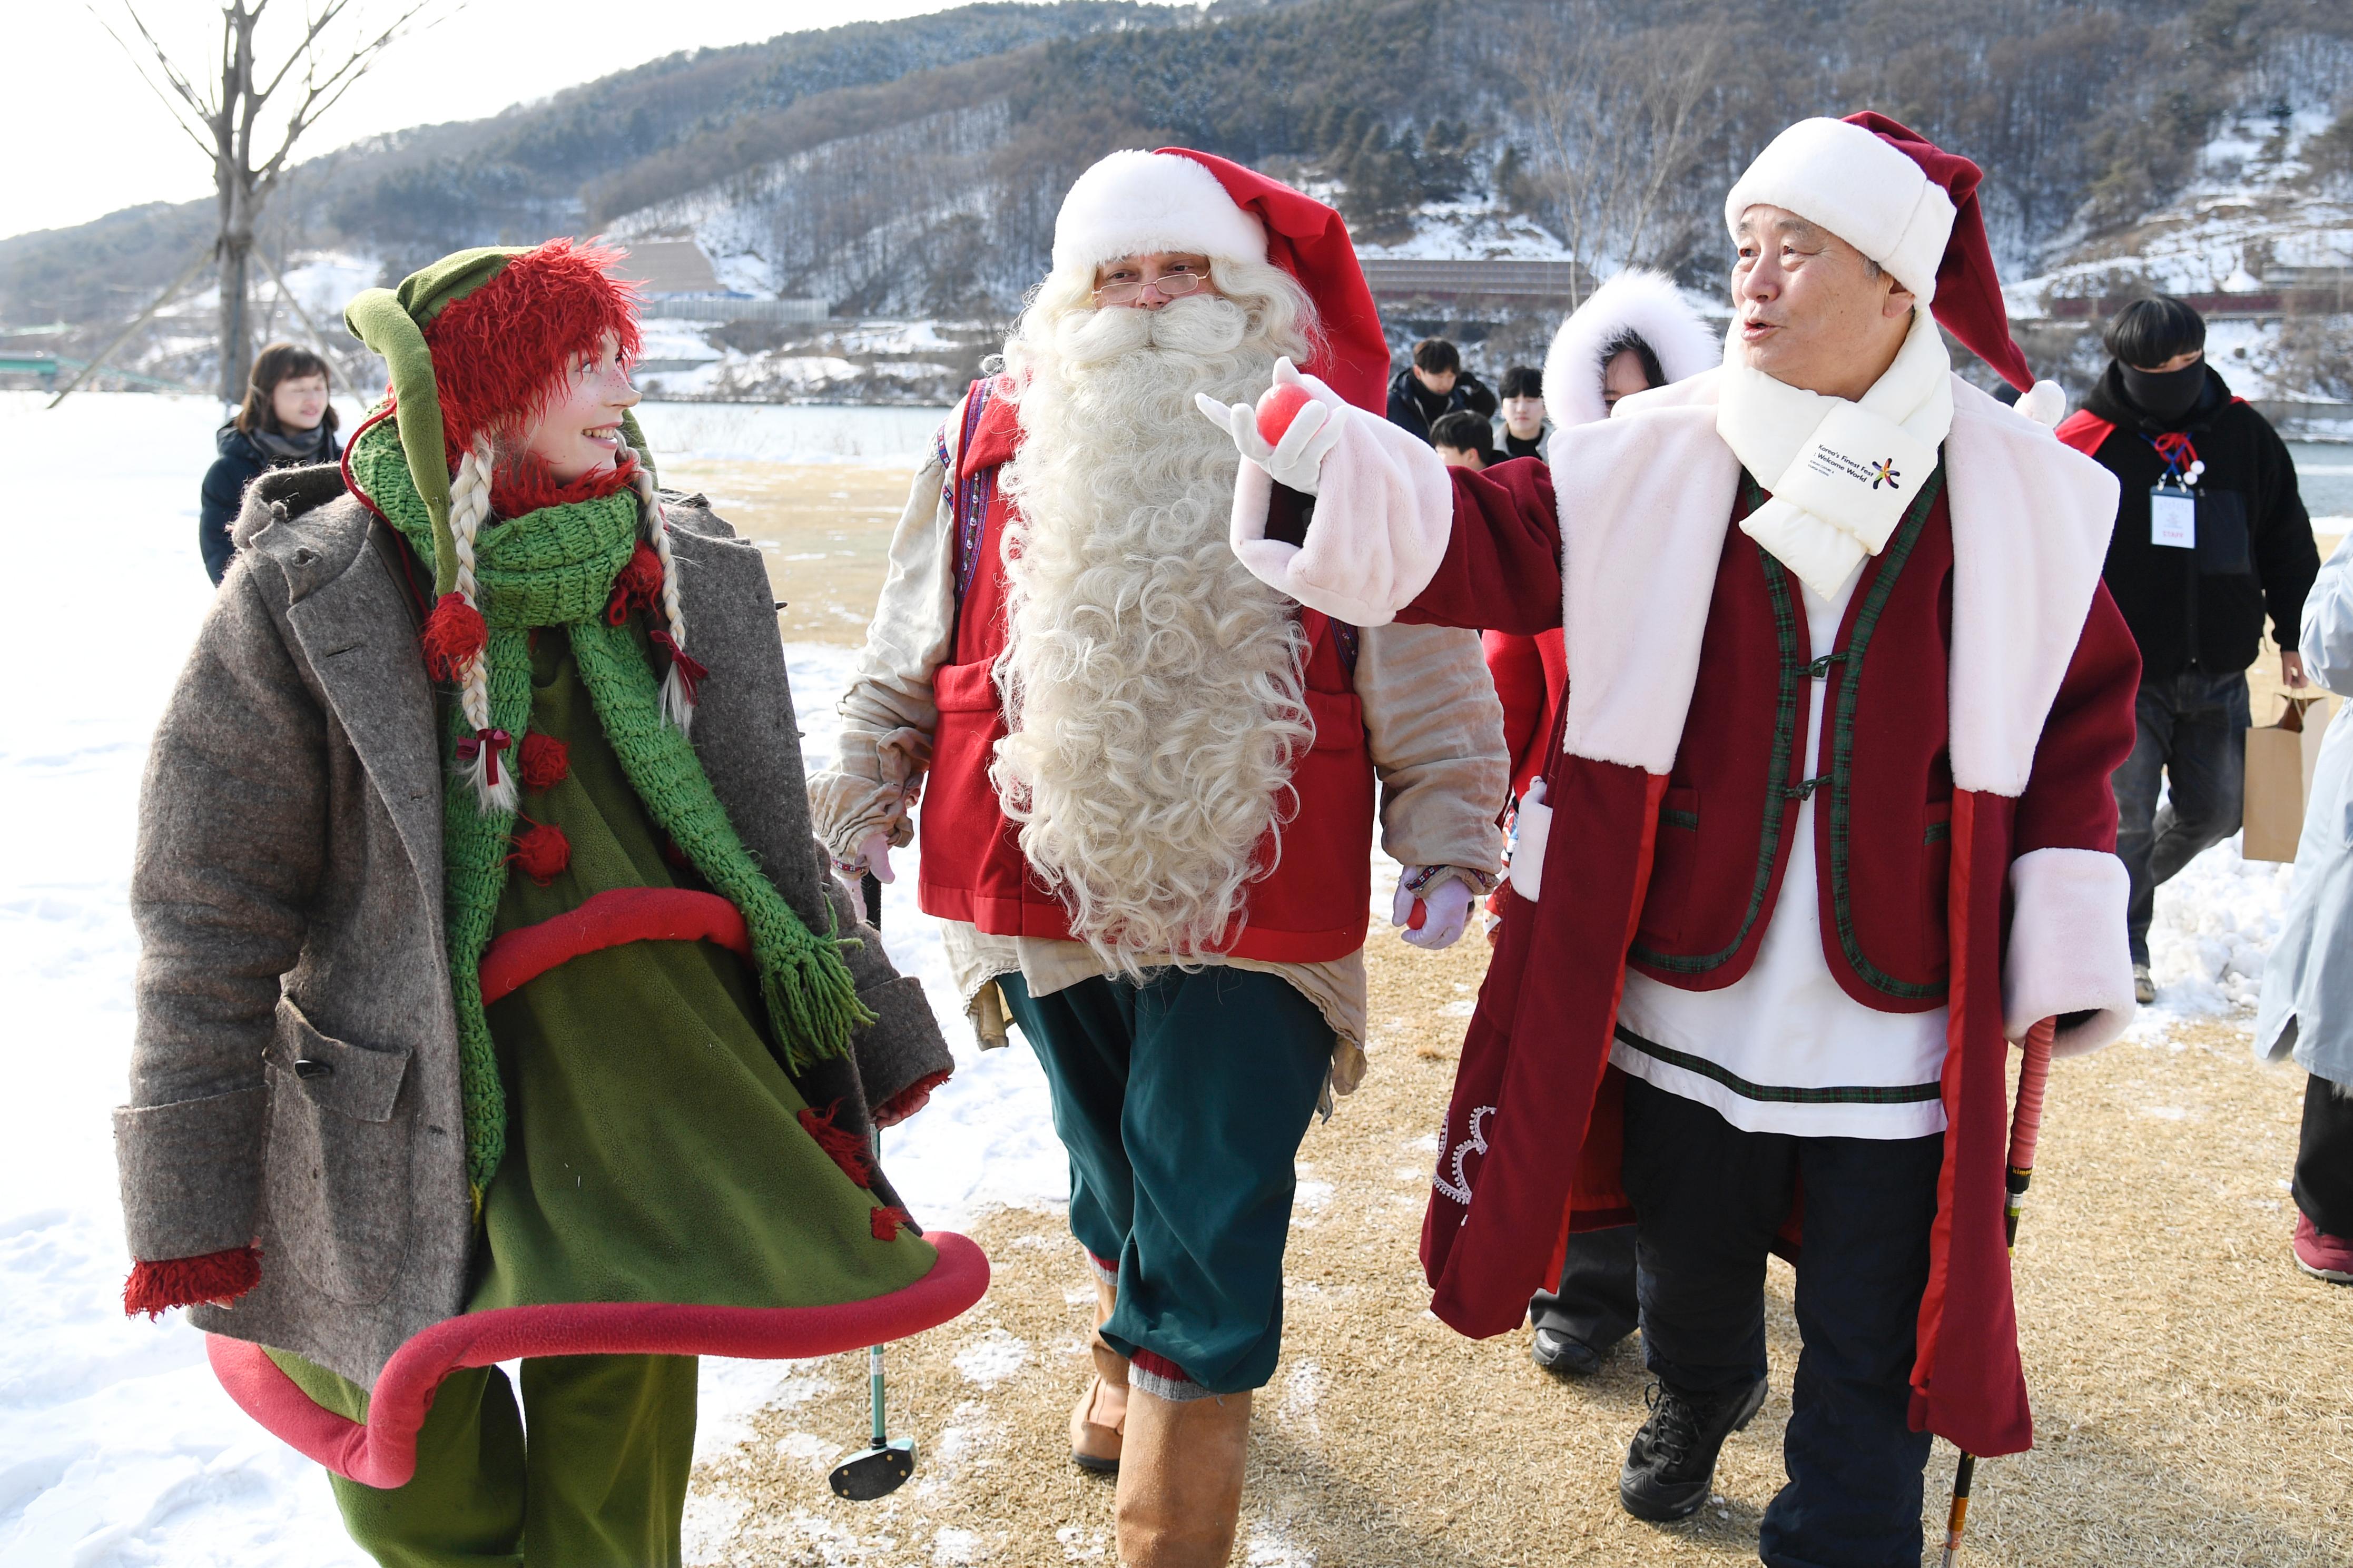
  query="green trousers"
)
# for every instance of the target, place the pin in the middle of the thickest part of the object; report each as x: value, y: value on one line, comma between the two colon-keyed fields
x: 600, y: 1484
x: 1182, y: 1101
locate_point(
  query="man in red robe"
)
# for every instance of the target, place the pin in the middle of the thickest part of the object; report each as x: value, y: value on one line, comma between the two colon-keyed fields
x: 1826, y: 821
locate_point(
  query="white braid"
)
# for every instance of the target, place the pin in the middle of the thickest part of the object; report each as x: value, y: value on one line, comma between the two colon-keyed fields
x: 470, y: 508
x: 677, y: 707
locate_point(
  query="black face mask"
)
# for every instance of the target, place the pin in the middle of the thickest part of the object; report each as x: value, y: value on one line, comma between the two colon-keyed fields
x: 2165, y: 394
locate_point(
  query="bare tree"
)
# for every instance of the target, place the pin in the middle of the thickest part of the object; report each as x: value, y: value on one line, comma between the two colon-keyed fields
x: 1620, y: 127
x: 225, y: 118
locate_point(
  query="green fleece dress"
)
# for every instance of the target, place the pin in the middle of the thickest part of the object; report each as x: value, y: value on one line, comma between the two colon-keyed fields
x: 655, y: 1150
x: 654, y: 1153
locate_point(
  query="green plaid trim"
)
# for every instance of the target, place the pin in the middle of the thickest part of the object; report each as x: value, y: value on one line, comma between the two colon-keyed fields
x: 1689, y: 819
x: 1935, y: 833
x: 1776, y: 1094
x: 1840, y: 785
x: 1794, y: 678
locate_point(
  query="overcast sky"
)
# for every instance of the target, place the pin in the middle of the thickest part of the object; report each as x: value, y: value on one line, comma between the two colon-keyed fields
x: 88, y: 137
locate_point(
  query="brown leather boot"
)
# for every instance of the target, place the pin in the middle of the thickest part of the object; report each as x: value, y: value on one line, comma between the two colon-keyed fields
x: 1102, y: 1413
x: 1180, y: 1482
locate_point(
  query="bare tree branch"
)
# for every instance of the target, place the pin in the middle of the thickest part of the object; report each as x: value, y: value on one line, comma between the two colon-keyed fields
x: 190, y: 112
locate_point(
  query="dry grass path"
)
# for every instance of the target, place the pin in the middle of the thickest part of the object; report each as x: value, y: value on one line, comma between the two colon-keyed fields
x: 2193, y: 1394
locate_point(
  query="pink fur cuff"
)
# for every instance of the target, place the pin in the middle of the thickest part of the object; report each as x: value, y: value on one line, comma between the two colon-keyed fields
x: 2067, y: 948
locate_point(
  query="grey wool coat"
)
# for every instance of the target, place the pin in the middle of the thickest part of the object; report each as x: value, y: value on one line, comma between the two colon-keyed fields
x: 288, y: 893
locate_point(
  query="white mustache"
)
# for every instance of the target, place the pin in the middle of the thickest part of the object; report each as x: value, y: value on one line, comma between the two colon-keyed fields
x: 1199, y: 324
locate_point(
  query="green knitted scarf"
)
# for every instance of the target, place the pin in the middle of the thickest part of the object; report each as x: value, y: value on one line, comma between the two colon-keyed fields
x: 554, y: 567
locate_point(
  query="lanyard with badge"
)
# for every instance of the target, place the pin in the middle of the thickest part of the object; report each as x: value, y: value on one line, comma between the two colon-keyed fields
x: 2173, y: 501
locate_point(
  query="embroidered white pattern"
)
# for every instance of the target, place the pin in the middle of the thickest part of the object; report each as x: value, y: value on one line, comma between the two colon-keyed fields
x: 1459, y: 1188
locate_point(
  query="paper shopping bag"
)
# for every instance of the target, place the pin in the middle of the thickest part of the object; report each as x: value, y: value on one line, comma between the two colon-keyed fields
x: 2280, y: 758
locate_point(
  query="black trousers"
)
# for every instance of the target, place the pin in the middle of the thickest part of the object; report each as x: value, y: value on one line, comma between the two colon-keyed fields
x: 1710, y: 1200
x: 2324, y: 1158
x: 1596, y: 1300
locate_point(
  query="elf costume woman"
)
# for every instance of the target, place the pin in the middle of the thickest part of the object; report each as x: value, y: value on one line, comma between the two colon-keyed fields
x: 484, y: 1014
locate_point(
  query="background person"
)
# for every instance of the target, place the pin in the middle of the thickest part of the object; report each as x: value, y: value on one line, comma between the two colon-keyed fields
x: 286, y: 422
x: 2194, y: 596
x: 1633, y: 333
x: 1461, y: 440
x: 1523, y: 410
x: 1434, y: 383
x: 2307, y: 998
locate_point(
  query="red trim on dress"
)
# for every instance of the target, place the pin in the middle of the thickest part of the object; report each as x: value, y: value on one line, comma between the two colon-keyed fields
x: 609, y: 919
x: 382, y: 1451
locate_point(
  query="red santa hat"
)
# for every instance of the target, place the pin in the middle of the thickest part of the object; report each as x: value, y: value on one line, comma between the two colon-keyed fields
x: 1133, y: 202
x: 1903, y: 202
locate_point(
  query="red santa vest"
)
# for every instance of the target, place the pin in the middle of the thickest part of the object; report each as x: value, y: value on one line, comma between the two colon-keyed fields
x: 1883, y: 788
x: 1311, y: 906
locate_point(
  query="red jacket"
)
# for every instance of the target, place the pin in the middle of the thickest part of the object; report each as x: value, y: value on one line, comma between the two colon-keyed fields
x: 1673, y: 867
x: 1312, y: 907
x: 1529, y: 673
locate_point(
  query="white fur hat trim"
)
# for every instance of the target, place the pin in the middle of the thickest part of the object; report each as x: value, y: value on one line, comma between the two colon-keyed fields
x: 1854, y: 184
x: 1636, y: 301
x: 1134, y: 202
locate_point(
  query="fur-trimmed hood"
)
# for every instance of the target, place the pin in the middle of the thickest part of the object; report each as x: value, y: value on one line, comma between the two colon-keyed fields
x: 1637, y: 300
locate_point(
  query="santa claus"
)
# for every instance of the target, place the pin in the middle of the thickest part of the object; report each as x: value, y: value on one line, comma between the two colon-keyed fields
x: 1149, y: 784
x: 1829, y: 819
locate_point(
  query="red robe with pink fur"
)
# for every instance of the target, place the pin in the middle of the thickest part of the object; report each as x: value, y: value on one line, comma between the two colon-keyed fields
x: 1637, y: 560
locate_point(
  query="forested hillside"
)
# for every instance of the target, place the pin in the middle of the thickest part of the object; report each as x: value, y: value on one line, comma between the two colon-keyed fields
x: 911, y: 169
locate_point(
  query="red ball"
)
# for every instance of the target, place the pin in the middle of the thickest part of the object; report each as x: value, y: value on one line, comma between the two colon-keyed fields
x: 1278, y: 408
x: 1417, y: 917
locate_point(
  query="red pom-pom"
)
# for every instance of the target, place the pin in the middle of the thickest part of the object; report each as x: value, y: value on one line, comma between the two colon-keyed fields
x: 1278, y: 408
x: 454, y: 633
x: 886, y: 1222
x: 155, y: 1288
x: 542, y: 852
x: 637, y: 586
x: 546, y: 762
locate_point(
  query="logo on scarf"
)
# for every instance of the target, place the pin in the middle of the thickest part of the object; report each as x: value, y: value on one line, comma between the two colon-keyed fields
x: 1886, y: 474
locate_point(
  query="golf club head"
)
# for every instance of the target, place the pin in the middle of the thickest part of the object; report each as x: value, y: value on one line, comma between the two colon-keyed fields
x: 874, y: 1472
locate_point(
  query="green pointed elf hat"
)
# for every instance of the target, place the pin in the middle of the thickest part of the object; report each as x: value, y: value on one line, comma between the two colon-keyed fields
x: 476, y: 342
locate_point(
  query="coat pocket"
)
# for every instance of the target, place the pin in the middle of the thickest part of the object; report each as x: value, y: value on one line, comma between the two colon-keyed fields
x: 339, y: 1157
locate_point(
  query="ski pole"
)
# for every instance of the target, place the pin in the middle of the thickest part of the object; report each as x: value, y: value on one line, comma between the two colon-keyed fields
x: 882, y: 1467
x: 2025, y: 1128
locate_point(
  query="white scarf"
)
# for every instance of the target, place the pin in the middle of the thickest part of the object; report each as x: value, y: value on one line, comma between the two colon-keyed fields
x: 1840, y: 474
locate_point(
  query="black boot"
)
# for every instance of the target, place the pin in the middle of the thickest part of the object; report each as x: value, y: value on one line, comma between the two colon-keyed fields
x: 1672, y: 1460
x: 1559, y: 1350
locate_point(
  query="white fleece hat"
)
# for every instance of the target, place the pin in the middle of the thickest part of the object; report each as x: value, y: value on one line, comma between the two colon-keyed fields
x: 1134, y: 202
x: 1852, y: 183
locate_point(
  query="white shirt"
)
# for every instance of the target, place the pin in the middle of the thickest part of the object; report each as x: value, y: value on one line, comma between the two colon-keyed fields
x: 1786, y: 1027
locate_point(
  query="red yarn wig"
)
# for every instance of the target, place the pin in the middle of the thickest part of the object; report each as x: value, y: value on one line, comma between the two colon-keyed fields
x: 500, y: 352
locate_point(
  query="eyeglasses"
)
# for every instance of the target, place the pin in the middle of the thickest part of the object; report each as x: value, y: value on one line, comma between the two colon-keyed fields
x: 1169, y: 286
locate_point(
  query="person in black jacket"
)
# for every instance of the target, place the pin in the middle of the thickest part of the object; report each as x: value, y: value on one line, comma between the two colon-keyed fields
x: 1435, y: 384
x: 286, y: 422
x: 2209, y: 535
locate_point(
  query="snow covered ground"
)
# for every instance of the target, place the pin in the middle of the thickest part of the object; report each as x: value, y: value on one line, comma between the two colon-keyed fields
x: 116, y: 1446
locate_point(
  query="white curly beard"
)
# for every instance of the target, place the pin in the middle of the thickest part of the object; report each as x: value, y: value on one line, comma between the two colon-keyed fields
x: 1152, y: 687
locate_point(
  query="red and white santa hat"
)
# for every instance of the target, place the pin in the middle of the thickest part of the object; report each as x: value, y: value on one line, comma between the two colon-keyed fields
x: 1134, y: 202
x: 1912, y: 208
